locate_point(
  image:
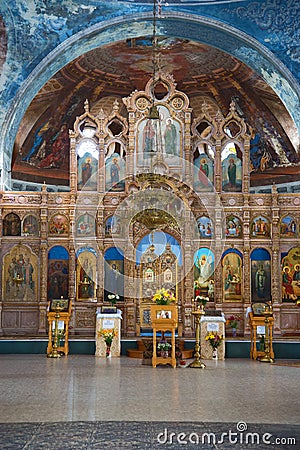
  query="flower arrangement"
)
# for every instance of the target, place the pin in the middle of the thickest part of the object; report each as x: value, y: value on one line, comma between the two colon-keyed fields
x: 200, y: 299
x: 113, y: 298
x: 164, y: 346
x: 232, y: 321
x: 214, y: 339
x: 108, y: 334
x: 164, y: 297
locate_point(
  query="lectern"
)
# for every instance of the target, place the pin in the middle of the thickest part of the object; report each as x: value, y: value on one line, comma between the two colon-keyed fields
x: 59, y: 314
x: 164, y: 318
x: 260, y: 326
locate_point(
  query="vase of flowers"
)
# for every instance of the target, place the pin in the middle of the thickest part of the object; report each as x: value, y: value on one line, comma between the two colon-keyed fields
x: 201, y: 301
x: 113, y: 298
x: 232, y: 321
x: 164, y: 297
x: 108, y: 334
x: 215, y: 341
x: 164, y: 348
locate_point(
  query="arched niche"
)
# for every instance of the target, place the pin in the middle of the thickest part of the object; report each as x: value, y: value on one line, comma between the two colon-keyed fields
x: 205, y: 227
x: 232, y: 275
x: 11, y: 225
x: 234, y: 227
x: 86, y: 274
x: 30, y: 226
x: 112, y: 226
x: 114, y: 273
x: 204, y: 266
x: 260, y: 227
x: 260, y: 275
x: 232, y: 173
x: 203, y: 163
x: 288, y: 226
x: 58, y: 273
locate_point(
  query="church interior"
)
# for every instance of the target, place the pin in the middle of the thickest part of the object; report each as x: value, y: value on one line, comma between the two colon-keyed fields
x: 144, y: 146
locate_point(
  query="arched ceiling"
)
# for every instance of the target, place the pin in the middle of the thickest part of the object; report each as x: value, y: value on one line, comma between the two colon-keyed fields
x: 201, y: 71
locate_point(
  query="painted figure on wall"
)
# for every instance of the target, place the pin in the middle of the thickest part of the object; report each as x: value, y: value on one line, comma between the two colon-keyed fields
x: 85, y: 225
x: 231, y: 169
x: 170, y: 136
x: 87, y: 166
x: 30, y: 226
x: 11, y: 225
x: 288, y: 226
x: 203, y: 167
x: 203, y: 273
x: 59, y: 150
x: 205, y: 227
x: 114, y: 278
x: 20, y: 275
x: 59, y: 224
x: 290, y: 264
x: 260, y: 227
x: 233, y: 227
x: 160, y: 136
x: 86, y: 275
x: 115, y: 173
x: 149, y: 138
x: 232, y: 276
x: 112, y: 226
x: 260, y: 280
x: 58, y: 279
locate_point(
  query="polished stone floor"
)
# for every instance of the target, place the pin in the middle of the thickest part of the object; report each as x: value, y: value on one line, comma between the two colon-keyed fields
x: 39, y: 395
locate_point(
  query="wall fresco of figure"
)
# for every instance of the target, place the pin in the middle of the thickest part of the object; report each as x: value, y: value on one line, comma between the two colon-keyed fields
x: 204, y: 261
x: 58, y: 224
x: 203, y: 168
x: 260, y: 227
x: 20, y: 275
x: 30, y: 226
x: 290, y: 267
x: 231, y: 169
x: 85, y: 225
x: 115, y: 173
x: 260, y: 275
x: 233, y: 227
x: 112, y: 226
x: 114, y: 273
x: 86, y: 274
x: 87, y: 166
x: 205, y: 227
x: 159, y: 137
x: 58, y: 273
x: 288, y: 227
x: 232, y: 276
x: 11, y: 225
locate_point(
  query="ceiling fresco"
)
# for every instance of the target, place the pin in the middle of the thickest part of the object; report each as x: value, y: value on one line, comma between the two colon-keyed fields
x: 114, y: 71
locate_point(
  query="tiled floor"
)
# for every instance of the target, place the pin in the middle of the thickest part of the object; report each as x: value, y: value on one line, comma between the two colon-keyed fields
x: 83, y: 388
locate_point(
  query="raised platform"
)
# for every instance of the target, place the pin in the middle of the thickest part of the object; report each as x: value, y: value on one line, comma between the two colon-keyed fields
x: 234, y: 348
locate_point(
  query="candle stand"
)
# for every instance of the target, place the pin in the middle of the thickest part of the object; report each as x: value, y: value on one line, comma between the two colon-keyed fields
x: 197, y: 363
x: 268, y: 312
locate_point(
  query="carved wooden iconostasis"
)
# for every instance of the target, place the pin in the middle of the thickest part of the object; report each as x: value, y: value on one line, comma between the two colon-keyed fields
x: 153, y: 203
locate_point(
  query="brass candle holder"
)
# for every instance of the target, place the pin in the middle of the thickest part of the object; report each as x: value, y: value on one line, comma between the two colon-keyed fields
x: 54, y: 353
x: 268, y: 312
x: 197, y: 363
